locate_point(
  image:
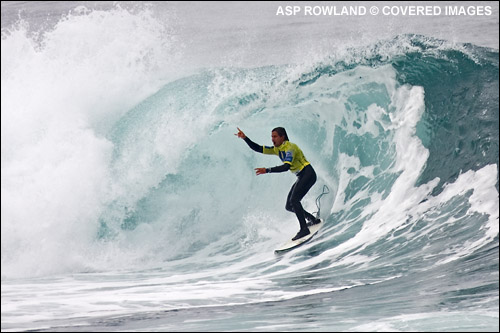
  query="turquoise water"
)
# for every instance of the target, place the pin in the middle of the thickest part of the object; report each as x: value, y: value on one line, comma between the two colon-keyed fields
x: 128, y: 203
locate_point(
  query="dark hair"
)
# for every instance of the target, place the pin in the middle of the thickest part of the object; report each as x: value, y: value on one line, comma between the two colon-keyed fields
x: 281, y: 132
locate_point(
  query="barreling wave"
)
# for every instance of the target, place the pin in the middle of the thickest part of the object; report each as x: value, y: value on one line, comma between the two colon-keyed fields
x: 403, y: 118
x: 404, y: 132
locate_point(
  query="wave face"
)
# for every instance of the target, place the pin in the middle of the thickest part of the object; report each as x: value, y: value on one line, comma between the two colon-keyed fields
x: 107, y: 166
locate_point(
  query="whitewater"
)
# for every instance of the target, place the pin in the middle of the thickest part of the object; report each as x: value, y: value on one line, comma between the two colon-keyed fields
x: 127, y: 203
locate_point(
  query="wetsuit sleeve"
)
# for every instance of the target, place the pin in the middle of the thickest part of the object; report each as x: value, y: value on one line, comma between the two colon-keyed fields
x: 253, y: 145
x: 281, y: 168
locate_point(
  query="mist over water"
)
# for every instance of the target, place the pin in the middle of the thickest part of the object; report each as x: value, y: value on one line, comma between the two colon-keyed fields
x: 120, y: 170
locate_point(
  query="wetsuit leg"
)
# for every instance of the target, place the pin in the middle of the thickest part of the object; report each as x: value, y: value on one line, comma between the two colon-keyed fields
x: 306, y: 179
x: 308, y: 216
x: 289, y: 198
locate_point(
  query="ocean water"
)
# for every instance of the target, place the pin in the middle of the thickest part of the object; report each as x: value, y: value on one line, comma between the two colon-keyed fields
x: 129, y: 205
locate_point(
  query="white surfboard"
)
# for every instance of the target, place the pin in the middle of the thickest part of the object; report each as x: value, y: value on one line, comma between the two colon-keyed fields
x: 291, y: 244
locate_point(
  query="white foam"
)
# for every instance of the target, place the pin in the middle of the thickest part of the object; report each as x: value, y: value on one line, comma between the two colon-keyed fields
x: 59, y: 96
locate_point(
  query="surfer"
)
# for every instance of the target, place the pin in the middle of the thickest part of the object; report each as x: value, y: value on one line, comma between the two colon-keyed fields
x: 294, y: 160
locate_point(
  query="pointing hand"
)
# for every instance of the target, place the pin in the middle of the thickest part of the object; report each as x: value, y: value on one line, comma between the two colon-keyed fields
x: 240, y: 134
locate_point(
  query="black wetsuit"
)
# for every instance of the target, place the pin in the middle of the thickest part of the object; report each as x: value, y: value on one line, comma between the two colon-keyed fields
x: 305, y: 180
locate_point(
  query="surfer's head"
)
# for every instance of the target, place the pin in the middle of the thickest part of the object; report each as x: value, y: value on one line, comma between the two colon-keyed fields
x: 278, y: 136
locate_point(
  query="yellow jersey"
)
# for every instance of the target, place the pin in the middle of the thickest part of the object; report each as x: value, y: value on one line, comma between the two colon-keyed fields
x: 288, y: 153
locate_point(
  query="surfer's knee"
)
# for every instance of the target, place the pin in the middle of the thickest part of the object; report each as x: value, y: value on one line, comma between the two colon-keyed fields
x: 295, y: 204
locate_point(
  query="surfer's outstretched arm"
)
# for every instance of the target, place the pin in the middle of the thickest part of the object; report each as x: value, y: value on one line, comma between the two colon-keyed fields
x: 256, y: 147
